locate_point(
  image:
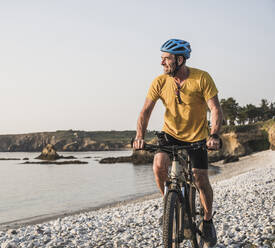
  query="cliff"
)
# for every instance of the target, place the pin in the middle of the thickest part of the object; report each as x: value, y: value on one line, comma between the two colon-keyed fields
x: 242, y: 140
x: 68, y: 141
x: 238, y: 140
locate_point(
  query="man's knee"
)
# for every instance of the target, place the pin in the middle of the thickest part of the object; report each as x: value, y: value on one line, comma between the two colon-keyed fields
x: 161, y: 162
x: 201, y: 178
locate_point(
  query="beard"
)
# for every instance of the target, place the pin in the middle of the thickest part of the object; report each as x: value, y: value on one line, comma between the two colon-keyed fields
x: 170, y: 69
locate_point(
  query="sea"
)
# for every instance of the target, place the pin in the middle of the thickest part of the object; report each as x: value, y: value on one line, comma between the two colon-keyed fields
x: 37, y: 190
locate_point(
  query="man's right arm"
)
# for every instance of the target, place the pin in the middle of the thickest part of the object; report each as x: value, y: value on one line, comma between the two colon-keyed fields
x: 142, y: 123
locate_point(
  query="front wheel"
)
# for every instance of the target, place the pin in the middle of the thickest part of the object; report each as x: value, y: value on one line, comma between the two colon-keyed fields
x: 197, y: 216
x: 171, y: 220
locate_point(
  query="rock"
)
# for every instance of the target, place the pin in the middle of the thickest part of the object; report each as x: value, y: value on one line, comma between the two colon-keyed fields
x: 57, y: 162
x: 39, y: 230
x: 9, y: 158
x: 12, y: 231
x: 118, y: 243
x: 8, y: 244
x: 138, y: 157
x: 48, y: 153
x: 112, y: 160
x: 230, y: 159
x: 214, y: 156
x: 67, y: 157
x: 243, y: 143
x: 142, y: 157
x: 225, y: 227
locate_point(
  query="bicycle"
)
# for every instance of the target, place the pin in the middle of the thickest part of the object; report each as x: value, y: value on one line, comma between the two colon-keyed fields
x: 183, y: 212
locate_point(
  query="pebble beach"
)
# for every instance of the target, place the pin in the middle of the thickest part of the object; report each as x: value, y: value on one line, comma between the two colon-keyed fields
x: 244, y: 205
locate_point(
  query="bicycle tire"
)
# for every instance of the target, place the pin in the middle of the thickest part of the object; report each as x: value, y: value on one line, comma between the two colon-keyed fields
x: 171, y: 221
x: 192, y: 208
x: 196, y: 214
x: 192, y: 201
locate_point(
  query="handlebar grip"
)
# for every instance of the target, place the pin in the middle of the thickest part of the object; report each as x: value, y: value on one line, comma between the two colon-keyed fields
x: 221, y: 144
x: 144, y: 146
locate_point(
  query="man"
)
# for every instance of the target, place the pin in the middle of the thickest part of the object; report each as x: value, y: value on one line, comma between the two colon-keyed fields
x: 186, y: 93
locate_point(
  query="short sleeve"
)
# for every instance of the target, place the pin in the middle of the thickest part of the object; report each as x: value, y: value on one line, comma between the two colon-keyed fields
x: 208, y: 87
x: 154, y: 90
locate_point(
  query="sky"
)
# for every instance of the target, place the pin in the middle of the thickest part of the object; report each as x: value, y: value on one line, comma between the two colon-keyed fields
x: 87, y: 65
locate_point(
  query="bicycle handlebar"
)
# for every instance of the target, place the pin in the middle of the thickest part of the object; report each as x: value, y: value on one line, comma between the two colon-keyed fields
x: 173, y: 148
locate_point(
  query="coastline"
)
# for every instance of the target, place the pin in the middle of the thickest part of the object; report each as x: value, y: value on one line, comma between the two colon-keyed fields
x: 49, y: 217
x: 218, y: 172
x: 243, y: 196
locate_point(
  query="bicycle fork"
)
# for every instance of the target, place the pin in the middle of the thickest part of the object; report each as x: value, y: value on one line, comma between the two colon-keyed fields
x: 176, y: 171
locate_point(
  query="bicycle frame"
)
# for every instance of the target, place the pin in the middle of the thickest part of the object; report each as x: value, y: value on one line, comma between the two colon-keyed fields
x: 180, y: 175
x: 179, y: 178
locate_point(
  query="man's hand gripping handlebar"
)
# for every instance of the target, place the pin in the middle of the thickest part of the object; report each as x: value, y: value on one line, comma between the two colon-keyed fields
x: 137, y: 143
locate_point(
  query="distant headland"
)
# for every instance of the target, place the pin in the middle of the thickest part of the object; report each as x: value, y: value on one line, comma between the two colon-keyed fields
x: 69, y: 140
x: 238, y: 140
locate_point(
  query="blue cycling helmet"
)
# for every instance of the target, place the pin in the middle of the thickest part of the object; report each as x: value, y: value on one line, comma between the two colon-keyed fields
x: 177, y: 47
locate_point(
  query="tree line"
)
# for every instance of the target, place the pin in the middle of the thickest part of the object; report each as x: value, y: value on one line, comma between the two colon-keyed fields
x: 234, y: 114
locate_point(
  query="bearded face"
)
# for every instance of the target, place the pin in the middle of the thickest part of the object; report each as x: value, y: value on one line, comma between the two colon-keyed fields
x: 168, y: 61
x: 171, y: 63
x: 170, y: 69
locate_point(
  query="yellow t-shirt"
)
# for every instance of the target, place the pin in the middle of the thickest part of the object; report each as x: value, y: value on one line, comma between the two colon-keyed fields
x: 186, y: 121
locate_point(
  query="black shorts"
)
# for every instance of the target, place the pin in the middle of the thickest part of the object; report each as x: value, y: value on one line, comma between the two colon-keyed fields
x: 199, y: 157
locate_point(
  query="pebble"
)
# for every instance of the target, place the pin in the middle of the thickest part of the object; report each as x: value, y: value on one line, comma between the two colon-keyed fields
x: 244, y: 218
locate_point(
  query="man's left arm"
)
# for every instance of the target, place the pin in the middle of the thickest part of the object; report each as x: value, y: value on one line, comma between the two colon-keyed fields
x: 216, y: 122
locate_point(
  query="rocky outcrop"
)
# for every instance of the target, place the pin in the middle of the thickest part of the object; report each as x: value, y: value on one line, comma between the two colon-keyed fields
x: 49, y: 153
x: 112, y: 160
x: 138, y: 157
x: 240, y: 144
x: 230, y: 159
x: 142, y: 157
